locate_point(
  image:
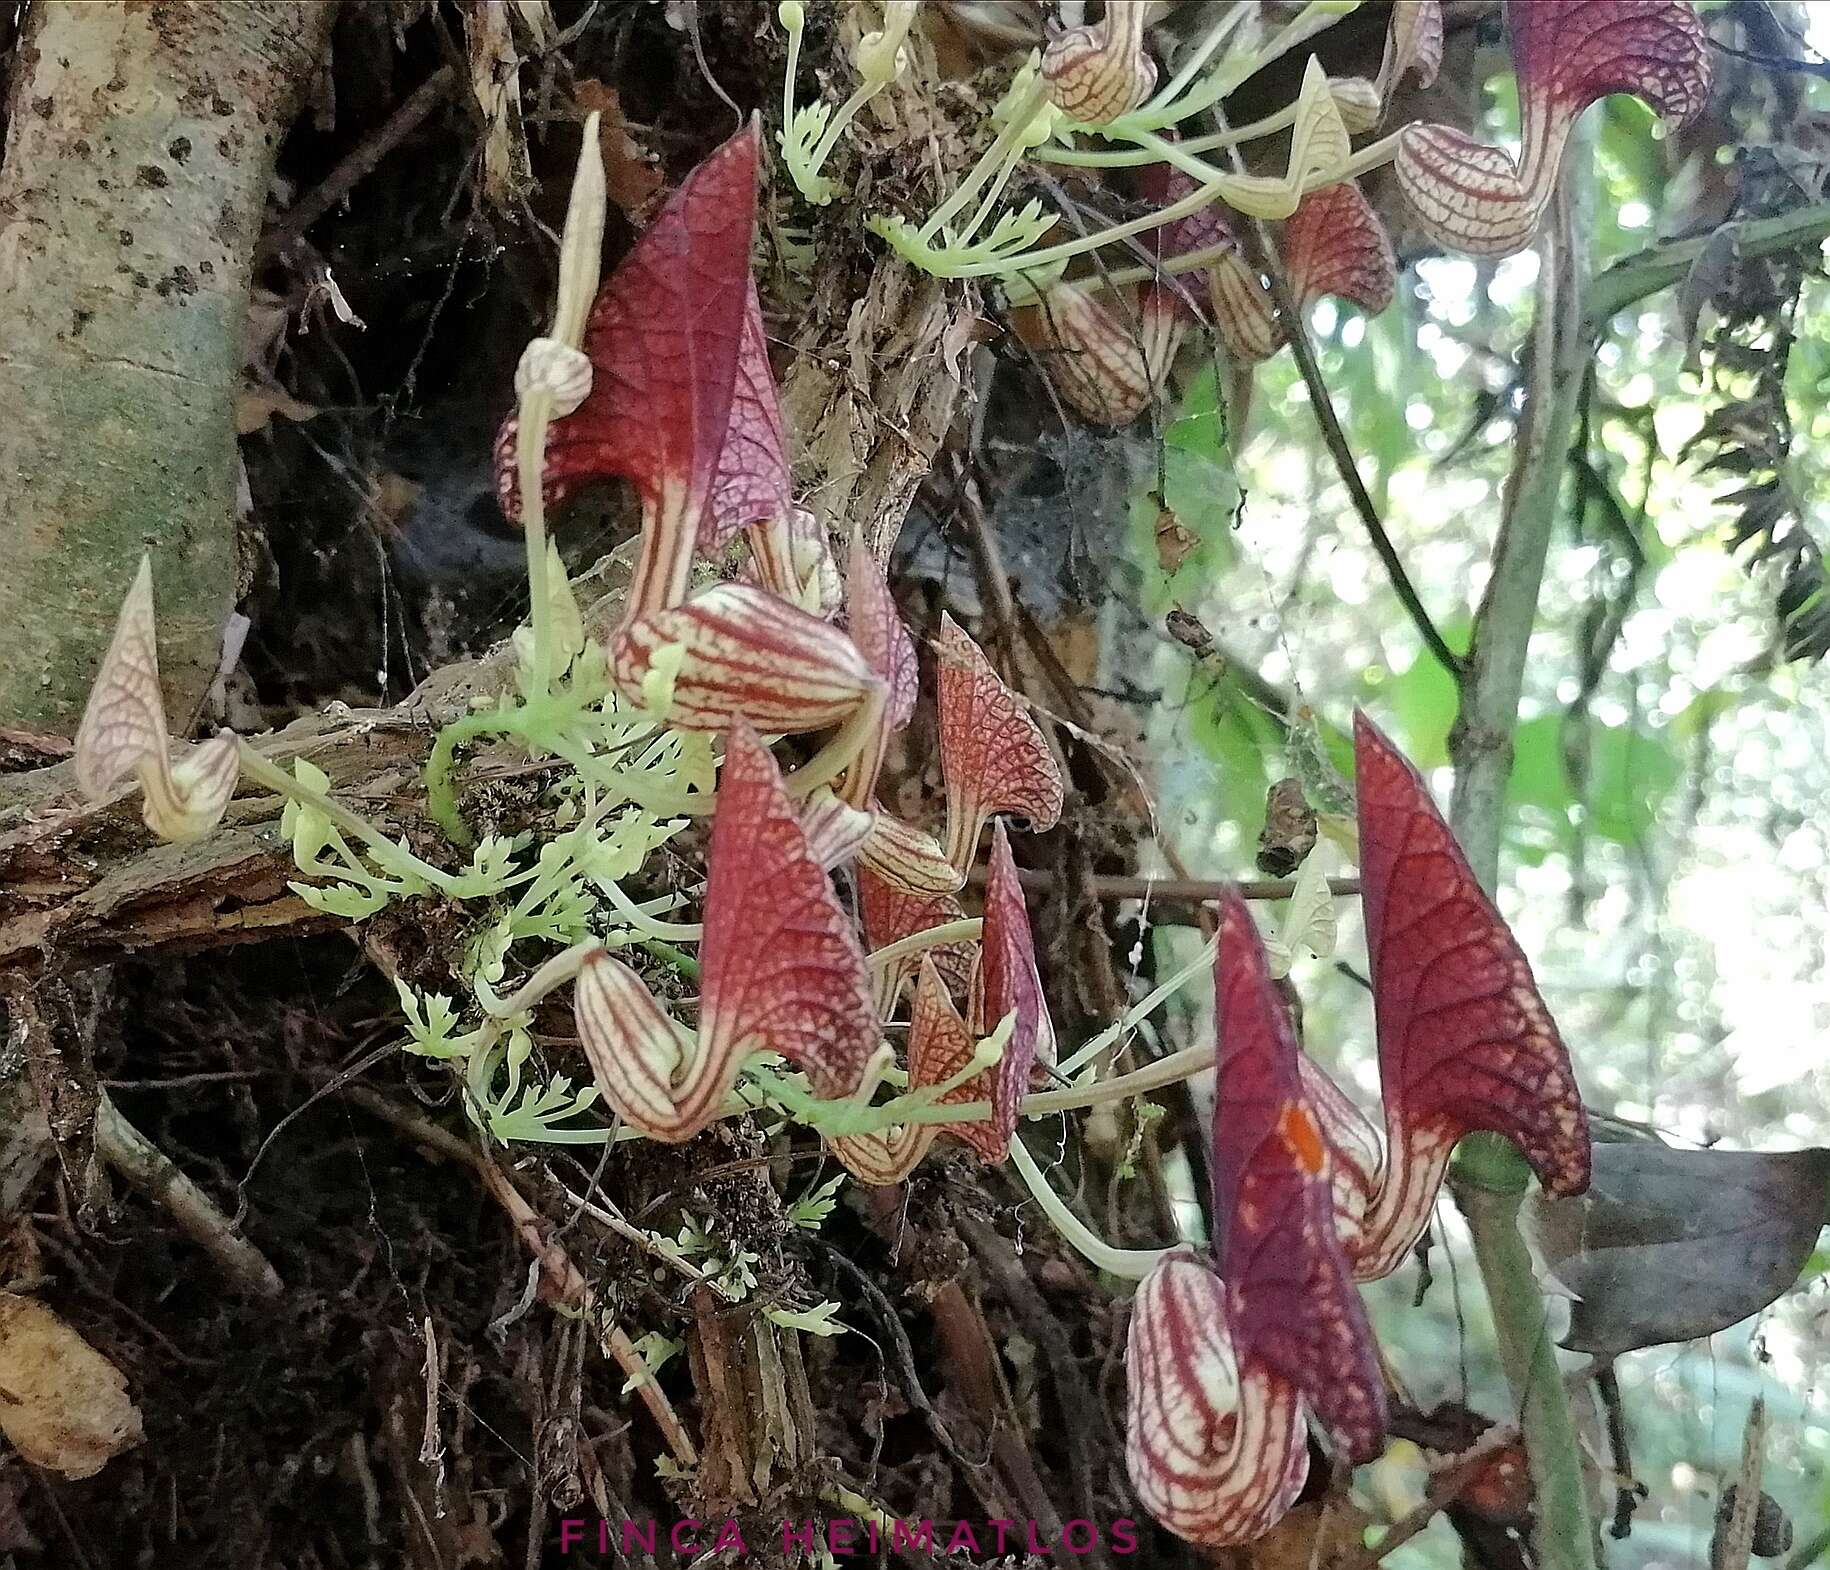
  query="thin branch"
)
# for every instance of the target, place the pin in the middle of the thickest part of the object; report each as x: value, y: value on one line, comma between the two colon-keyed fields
x: 1660, y: 266
x: 1176, y: 891
x: 1489, y: 1176
x: 359, y: 164
x: 1443, y: 1490
x: 1335, y: 439
x: 151, y: 1171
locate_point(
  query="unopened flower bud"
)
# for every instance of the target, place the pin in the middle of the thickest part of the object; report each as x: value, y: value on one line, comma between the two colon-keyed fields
x: 1358, y: 102
x: 547, y: 365
x: 1095, y: 74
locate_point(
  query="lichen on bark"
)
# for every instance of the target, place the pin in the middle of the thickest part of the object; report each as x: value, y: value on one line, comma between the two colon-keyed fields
x: 139, y: 152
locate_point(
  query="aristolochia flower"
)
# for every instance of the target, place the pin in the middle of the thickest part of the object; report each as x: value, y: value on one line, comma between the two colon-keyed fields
x: 1567, y: 54
x: 123, y: 732
x: 1230, y: 1355
x: 1465, y: 1040
x: 1095, y: 74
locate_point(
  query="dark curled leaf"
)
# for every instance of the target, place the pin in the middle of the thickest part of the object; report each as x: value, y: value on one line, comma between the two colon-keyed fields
x: 1672, y: 1245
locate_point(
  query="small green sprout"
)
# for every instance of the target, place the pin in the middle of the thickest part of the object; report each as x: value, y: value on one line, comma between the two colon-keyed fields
x: 656, y: 1352
x: 816, y: 1321
x: 810, y: 1211
x: 810, y: 133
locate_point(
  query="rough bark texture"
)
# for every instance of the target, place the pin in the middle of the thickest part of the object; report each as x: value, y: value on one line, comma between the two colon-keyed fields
x: 140, y: 148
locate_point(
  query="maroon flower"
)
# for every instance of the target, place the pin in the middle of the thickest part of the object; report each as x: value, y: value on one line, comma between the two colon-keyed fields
x: 781, y: 971
x: 1567, y: 54
x: 1225, y: 1358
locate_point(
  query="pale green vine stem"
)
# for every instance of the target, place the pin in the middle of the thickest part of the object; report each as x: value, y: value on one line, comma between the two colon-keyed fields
x: 1317, y: 16
x: 580, y: 259
x: 835, y: 756
x: 549, y: 978
x: 1008, y: 141
x: 1489, y: 1176
x: 1142, y: 1009
x: 1229, y: 23
x: 966, y: 930
x: 638, y: 916
x: 389, y: 855
x: 1129, y: 1264
x: 1169, y: 267
x: 1132, y: 157
x: 1171, y: 1070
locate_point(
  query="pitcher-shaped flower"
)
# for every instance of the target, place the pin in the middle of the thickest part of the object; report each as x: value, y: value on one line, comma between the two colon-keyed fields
x: 123, y: 732
x: 1229, y: 1355
x: 1006, y: 993
x: 1466, y: 1042
x: 1567, y: 54
x: 682, y: 404
x: 992, y: 755
x: 781, y: 970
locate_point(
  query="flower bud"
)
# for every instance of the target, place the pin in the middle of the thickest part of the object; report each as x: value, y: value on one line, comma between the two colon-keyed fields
x: 1095, y: 74
x: 547, y: 365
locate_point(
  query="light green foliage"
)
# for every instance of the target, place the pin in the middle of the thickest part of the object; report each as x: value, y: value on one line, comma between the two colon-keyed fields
x: 656, y: 1351
x: 967, y: 236
x: 810, y: 1211
x: 816, y: 1321
x: 358, y: 888
x: 729, y: 1267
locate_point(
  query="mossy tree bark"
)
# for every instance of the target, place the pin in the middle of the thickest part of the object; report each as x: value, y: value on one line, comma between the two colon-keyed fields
x: 140, y: 147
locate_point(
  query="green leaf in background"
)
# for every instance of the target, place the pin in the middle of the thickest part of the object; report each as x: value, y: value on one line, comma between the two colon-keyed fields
x: 1420, y: 701
x: 1246, y: 744
x: 1199, y: 488
x: 1631, y: 771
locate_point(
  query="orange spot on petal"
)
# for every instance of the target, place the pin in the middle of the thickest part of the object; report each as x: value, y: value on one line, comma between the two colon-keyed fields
x: 1299, y: 1132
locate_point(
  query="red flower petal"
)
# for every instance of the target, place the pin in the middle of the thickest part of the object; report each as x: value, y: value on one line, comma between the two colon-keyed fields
x: 1465, y: 1041
x: 1097, y: 73
x: 1356, y: 1156
x: 940, y: 1046
x: 1293, y: 1305
x: 781, y: 966
x: 1217, y: 1453
x: 889, y: 913
x: 751, y: 483
x: 1334, y: 244
x: 1568, y: 54
x: 636, y: 1050
x: 835, y: 829
x: 781, y: 971
x: 790, y: 557
x: 901, y: 854
x: 1008, y: 983
x: 1413, y: 43
x: 1162, y: 185
x: 991, y: 753
x: 664, y: 340
x: 749, y: 654
x: 881, y: 638
x: 877, y: 629
x: 1243, y: 310
x: 1091, y: 350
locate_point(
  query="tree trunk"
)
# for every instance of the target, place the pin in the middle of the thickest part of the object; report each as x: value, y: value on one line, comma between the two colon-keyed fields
x: 141, y: 144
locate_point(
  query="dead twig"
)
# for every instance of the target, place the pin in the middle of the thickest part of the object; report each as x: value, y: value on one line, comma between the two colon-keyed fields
x: 357, y: 165
x: 153, y: 1173
x: 1444, y: 1489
